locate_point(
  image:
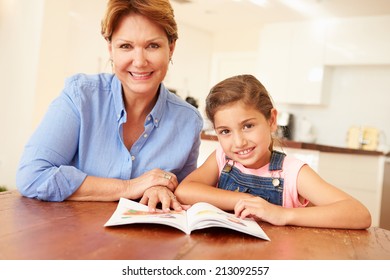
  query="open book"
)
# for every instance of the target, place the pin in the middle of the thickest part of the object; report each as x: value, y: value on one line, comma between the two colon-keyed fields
x: 200, y: 215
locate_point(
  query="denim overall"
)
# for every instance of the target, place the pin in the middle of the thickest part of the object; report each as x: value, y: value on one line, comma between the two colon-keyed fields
x: 269, y: 188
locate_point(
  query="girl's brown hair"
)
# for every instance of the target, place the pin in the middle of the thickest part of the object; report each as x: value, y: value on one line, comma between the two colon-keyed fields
x: 244, y: 88
x: 158, y: 11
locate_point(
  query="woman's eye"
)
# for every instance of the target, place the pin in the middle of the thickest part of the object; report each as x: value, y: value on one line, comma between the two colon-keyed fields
x: 153, y: 46
x: 125, y: 46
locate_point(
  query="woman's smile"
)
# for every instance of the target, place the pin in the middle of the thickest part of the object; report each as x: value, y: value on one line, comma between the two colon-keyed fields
x: 141, y: 76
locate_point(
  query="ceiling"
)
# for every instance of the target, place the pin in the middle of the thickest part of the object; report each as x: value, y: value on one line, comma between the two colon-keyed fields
x: 219, y: 15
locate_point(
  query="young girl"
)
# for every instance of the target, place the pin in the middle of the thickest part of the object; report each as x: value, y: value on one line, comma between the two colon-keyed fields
x: 247, y: 175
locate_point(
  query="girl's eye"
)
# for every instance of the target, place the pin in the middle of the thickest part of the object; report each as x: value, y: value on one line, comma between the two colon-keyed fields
x: 248, y: 126
x: 224, y: 132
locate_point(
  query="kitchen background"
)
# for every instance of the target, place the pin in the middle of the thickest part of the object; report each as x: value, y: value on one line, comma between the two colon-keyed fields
x: 330, y: 72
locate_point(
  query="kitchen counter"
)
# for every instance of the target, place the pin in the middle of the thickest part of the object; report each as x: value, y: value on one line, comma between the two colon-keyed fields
x: 310, y: 146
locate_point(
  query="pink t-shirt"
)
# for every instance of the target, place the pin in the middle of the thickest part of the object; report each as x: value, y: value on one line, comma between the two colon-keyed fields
x: 291, y: 167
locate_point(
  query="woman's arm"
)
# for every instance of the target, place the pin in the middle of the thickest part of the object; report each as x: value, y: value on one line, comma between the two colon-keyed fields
x: 44, y: 170
x: 152, y: 187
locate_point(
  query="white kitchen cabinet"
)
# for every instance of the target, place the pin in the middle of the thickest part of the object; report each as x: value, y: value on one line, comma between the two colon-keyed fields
x: 228, y: 64
x: 307, y: 70
x: 311, y: 157
x: 358, y: 41
x: 274, y: 59
x: 291, y: 57
x: 358, y: 175
x: 207, y: 147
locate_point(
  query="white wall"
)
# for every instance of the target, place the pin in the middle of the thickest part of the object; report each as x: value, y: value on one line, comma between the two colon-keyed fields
x: 20, y: 33
x: 70, y: 43
x: 358, y: 95
x: 236, y: 40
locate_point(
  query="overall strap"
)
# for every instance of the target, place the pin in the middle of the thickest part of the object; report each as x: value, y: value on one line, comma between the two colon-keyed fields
x: 276, y: 162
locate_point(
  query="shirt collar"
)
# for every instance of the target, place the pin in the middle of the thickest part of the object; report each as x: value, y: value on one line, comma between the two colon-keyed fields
x: 158, y: 110
x: 155, y: 115
x: 116, y: 88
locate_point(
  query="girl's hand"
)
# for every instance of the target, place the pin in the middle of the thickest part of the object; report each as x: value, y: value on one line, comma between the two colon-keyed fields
x: 262, y: 209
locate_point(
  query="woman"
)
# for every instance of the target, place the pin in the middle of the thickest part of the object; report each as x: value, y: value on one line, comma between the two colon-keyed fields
x: 118, y: 135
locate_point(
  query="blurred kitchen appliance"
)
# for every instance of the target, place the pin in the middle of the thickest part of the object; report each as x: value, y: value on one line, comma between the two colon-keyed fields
x: 363, y: 137
x: 305, y: 131
x: 192, y: 101
x: 285, y: 123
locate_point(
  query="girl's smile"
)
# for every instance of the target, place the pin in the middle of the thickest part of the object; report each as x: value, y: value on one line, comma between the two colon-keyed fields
x: 245, y: 152
x: 244, y: 133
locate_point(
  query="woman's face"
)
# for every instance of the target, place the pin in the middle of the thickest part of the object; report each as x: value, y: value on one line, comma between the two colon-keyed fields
x: 140, y: 52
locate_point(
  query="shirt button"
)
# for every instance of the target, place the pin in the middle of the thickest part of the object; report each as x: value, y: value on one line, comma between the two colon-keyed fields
x: 145, y: 135
x: 149, y: 118
x: 156, y: 120
x: 132, y: 157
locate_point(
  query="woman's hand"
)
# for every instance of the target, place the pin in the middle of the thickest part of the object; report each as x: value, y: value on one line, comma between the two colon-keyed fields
x: 262, y: 209
x: 136, y: 187
x: 156, y: 194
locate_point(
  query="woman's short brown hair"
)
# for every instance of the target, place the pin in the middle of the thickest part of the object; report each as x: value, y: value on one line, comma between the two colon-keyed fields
x: 158, y: 11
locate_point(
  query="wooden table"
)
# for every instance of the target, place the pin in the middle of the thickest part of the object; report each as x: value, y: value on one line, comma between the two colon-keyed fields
x: 31, y: 229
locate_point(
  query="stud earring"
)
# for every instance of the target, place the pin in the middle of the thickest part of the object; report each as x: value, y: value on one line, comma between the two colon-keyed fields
x: 112, y: 66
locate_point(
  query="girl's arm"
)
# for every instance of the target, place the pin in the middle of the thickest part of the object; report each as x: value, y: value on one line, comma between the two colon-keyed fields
x: 200, y: 186
x: 332, y: 208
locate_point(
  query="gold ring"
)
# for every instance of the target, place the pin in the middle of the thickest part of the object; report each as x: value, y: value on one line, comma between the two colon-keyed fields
x: 167, y: 176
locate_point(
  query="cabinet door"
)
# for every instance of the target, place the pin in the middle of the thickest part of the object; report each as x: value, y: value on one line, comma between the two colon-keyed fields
x: 274, y: 60
x: 358, y: 41
x: 307, y: 70
x: 358, y: 175
x: 291, y: 62
x: 229, y: 64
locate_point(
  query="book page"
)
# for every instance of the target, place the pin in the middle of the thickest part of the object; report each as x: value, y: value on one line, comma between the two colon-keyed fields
x: 204, y: 215
x: 131, y: 212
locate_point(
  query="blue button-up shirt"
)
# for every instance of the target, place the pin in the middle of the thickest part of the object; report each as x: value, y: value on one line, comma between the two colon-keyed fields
x: 81, y: 134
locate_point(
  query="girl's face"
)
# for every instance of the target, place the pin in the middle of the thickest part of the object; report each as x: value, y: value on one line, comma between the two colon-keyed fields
x: 245, y: 134
x: 140, y: 51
